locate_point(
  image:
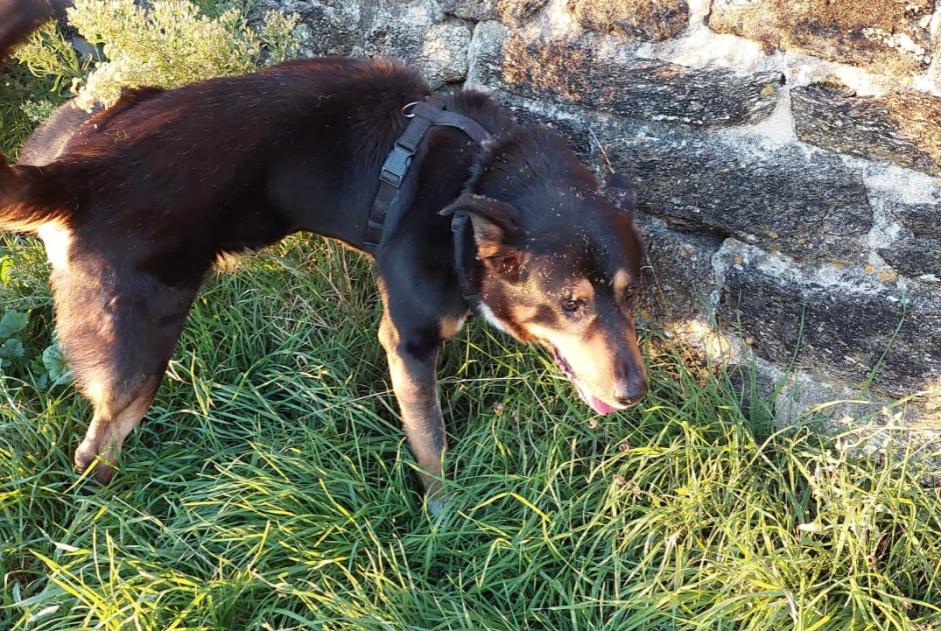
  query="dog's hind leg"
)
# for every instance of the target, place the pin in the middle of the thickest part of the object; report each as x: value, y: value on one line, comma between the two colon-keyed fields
x: 118, y: 331
x: 115, y: 417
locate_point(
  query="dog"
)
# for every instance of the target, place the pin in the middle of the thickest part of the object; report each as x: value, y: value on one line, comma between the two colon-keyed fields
x: 135, y: 203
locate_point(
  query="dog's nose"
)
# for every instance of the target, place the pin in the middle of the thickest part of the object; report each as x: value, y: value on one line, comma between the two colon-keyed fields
x: 630, y: 390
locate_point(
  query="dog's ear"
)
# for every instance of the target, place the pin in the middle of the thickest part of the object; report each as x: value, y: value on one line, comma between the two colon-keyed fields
x: 619, y: 191
x: 496, y: 231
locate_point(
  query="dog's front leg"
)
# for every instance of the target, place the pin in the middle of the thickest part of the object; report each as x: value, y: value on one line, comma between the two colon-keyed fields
x: 412, y: 357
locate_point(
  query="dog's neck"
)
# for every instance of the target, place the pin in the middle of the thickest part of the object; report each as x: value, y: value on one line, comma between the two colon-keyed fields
x: 396, y: 184
x: 447, y: 156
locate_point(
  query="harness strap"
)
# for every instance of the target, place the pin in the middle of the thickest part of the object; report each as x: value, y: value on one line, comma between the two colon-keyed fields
x: 462, y: 234
x: 423, y: 115
x: 439, y: 116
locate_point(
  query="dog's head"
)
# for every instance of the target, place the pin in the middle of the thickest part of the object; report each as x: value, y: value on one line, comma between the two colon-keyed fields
x: 556, y: 260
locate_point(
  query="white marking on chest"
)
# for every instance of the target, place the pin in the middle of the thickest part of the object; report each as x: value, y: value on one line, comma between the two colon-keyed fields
x: 490, y: 317
x: 57, y: 239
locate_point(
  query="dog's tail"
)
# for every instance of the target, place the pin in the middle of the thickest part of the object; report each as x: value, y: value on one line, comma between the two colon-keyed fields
x: 19, y: 186
x: 22, y: 207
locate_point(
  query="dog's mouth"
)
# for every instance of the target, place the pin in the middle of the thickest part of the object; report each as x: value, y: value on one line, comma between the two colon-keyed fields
x: 593, y: 402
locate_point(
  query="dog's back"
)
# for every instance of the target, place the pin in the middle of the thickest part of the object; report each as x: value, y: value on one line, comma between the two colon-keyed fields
x: 52, y: 137
x: 61, y: 130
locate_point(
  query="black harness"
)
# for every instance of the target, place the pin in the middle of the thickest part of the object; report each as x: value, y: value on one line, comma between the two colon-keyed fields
x: 395, y: 188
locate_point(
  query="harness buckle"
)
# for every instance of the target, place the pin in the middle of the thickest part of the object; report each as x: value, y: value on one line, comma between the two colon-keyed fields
x: 407, y: 109
x: 396, y: 165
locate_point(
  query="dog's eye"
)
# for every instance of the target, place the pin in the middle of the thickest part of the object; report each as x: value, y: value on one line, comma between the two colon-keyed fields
x: 629, y: 292
x: 572, y: 306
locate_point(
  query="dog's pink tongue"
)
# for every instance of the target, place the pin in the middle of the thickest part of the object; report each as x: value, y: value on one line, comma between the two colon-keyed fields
x: 601, y: 407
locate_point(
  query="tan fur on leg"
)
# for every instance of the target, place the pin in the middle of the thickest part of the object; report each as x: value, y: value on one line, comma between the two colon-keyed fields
x: 106, y: 434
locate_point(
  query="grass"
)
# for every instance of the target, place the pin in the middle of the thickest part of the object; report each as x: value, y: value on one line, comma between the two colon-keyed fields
x: 25, y: 101
x: 270, y: 486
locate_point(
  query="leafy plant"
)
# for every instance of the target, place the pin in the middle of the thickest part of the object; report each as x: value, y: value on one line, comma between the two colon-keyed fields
x: 11, y: 346
x: 48, y: 367
x: 167, y: 44
x: 24, y: 349
x: 48, y: 54
x: 170, y: 44
x: 54, y: 371
x: 25, y: 101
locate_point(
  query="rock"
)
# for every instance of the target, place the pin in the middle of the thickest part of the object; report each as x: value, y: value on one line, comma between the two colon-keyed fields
x: 575, y: 134
x: 649, y: 20
x: 914, y: 256
x: 922, y: 219
x: 513, y: 12
x: 573, y: 71
x: 411, y: 31
x: 415, y: 31
x: 900, y: 127
x: 934, y: 72
x: 443, y: 56
x: 334, y: 26
x: 83, y: 49
x: 863, y: 419
x: 886, y: 36
x: 484, y: 55
x: 476, y: 10
x: 804, y: 203
x: 681, y: 278
x: 792, y: 199
x: 849, y: 329
x: 916, y: 250
x: 801, y: 396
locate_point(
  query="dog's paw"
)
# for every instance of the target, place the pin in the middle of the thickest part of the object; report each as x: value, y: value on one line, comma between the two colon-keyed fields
x: 85, y: 457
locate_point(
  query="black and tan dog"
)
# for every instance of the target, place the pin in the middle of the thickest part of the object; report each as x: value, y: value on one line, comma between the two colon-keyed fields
x: 135, y: 203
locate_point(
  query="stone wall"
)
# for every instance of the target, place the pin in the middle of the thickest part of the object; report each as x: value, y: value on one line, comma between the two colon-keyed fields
x: 786, y: 156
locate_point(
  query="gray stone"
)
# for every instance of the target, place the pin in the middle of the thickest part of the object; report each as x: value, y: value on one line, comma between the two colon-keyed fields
x: 476, y: 10
x: 792, y: 199
x: 650, y: 20
x: 900, y: 127
x: 851, y: 330
x: 411, y: 31
x: 83, y: 49
x: 574, y: 132
x: 680, y: 279
x: 863, y: 419
x: 513, y: 12
x: 574, y: 72
x: 334, y: 27
x: 484, y: 55
x: 415, y: 31
x: 914, y: 256
x: 913, y: 248
x: 799, y: 396
x: 922, y: 219
x: 886, y: 36
x: 804, y: 203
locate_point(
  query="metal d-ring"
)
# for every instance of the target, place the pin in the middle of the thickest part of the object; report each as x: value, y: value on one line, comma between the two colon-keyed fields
x: 408, y: 106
